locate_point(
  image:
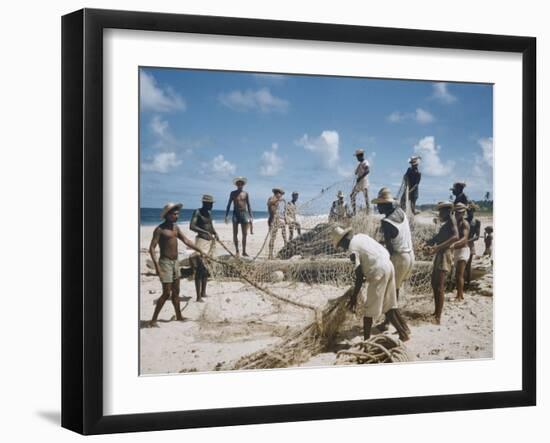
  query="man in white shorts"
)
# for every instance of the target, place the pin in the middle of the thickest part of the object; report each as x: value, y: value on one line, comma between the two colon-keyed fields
x: 461, y: 249
x: 361, y: 181
x: 372, y: 264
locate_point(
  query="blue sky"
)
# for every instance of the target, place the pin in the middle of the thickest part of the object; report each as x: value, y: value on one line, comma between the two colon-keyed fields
x: 199, y: 129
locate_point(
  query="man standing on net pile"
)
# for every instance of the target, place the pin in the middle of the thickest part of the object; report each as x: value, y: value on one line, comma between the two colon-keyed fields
x: 398, y: 240
x: 361, y: 181
x: 372, y: 264
x: 412, y: 181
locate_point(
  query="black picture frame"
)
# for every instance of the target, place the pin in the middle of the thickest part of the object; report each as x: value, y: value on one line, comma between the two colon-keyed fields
x: 82, y: 218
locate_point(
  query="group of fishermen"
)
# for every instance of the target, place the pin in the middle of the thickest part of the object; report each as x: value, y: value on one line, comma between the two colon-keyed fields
x: 384, y: 267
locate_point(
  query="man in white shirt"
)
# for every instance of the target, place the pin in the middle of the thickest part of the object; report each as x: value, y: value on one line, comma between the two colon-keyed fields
x: 361, y: 180
x: 373, y: 265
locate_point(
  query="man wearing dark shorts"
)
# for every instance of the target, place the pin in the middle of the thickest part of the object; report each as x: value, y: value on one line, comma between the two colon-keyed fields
x: 412, y: 181
x: 443, y: 260
x: 242, y: 213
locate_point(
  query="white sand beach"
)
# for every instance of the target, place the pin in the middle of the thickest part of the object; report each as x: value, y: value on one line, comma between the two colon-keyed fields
x: 236, y: 319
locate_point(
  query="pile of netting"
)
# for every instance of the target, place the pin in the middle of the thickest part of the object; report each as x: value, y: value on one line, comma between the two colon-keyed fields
x: 310, y: 259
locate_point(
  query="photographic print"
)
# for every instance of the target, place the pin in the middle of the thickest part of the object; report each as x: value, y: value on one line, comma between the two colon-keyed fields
x: 294, y: 221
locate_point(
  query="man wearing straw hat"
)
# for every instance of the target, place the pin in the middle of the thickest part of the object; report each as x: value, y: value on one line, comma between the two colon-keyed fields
x: 339, y: 211
x: 276, y: 221
x: 372, y: 264
x: 475, y: 232
x: 443, y: 261
x: 290, y: 216
x: 166, y: 236
x: 412, y: 181
x: 361, y: 181
x: 242, y: 213
x: 397, y: 238
x: 460, y: 248
x: 201, y: 223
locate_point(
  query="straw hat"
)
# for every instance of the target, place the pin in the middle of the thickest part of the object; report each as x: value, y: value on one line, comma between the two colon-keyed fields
x: 169, y: 207
x: 384, y: 196
x: 274, y: 190
x: 359, y: 152
x: 442, y: 205
x: 206, y: 198
x: 337, y: 234
x: 340, y: 194
x: 414, y: 160
x: 458, y: 185
x: 239, y: 179
x: 460, y: 207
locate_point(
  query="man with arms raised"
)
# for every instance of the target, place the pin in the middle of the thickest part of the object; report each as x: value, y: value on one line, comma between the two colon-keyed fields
x: 166, y: 236
x: 373, y: 265
x: 242, y: 213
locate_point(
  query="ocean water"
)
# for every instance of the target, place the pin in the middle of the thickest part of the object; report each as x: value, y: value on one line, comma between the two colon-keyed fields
x: 151, y: 216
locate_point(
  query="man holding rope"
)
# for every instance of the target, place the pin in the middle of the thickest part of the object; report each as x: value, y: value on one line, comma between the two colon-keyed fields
x: 372, y: 264
x: 412, y: 181
x: 276, y: 209
x: 201, y: 223
x: 166, y: 236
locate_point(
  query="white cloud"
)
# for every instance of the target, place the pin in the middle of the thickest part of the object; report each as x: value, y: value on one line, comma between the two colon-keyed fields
x: 423, y: 117
x: 162, y: 163
x: 271, y: 164
x: 431, y: 163
x: 326, y: 147
x: 154, y: 98
x: 249, y: 100
x: 219, y: 166
x: 486, y: 144
x: 419, y: 116
x: 442, y: 94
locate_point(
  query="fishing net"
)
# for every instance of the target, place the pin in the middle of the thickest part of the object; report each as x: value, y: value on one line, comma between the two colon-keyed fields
x: 307, y: 275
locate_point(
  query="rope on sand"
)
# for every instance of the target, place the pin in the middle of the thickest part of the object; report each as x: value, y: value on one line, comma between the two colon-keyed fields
x: 256, y: 285
x: 378, y: 349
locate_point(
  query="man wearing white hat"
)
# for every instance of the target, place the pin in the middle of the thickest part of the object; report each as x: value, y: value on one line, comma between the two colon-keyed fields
x: 201, y: 223
x: 443, y: 261
x: 361, y: 180
x: 412, y: 181
x: 373, y: 265
x: 242, y: 213
x: 166, y: 236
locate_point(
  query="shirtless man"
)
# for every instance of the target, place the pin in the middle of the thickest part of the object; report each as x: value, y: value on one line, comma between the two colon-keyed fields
x: 443, y: 260
x: 475, y: 228
x: 166, y: 236
x: 488, y: 238
x: 361, y: 180
x: 201, y: 223
x: 290, y: 216
x: 276, y: 220
x: 242, y: 214
x: 461, y: 248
